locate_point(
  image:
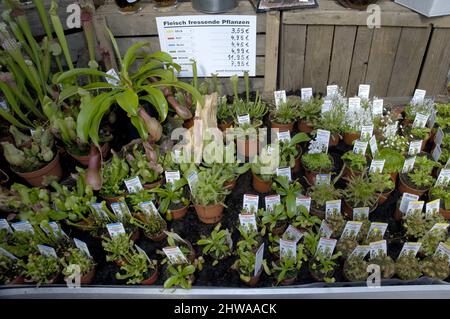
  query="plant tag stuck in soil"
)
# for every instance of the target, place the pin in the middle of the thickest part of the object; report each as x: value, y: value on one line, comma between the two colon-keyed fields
x: 443, y: 250
x: 361, y: 213
x: 442, y: 226
x: 280, y: 98
x: 114, y: 79
x: 354, y: 104
x: 175, y: 255
x: 377, y: 247
x: 432, y: 208
x: 325, y: 230
x: 414, y: 147
x: 54, y: 229
x: 292, y: 234
x: 360, y: 147
x: 149, y: 208
x: 271, y: 201
x: 323, y: 138
x: 98, y: 208
x: 406, y: 198
x: 134, y: 185
x: 6, y: 253
x: 81, y: 245
x: 414, y: 207
x: 419, y: 96
x: 437, y: 151
x: 410, y: 247
x: 332, y: 90
x: 5, y: 225
x: 432, y: 119
x: 244, y: 119
x: 306, y: 94
x: 323, y: 179
x: 259, y: 260
x: 377, y: 166
x: 364, y: 91
x: 115, y: 229
x: 285, y: 171
x: 332, y: 207
x: 439, y: 136
x: 420, y: 121
x: 304, y: 201
x: 120, y: 209
x: 391, y: 130
x: 326, y: 247
x: 141, y: 251
x: 288, y: 249
x: 373, y: 145
x: 250, y: 203
x: 351, y: 229
x: 326, y: 106
x: 248, y: 222
x: 360, y: 251
x: 47, y: 251
x: 408, y: 165
x: 172, y: 176
x: 377, y: 107
x: 381, y: 227
x: 284, y: 136
x: 192, y: 180
x: 366, y: 132
x: 443, y: 178
x: 22, y: 227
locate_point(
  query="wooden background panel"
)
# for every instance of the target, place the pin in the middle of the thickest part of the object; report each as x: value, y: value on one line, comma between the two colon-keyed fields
x: 317, y: 57
x: 437, y: 63
x: 408, y: 61
x: 341, y: 58
x: 361, y: 52
x: 271, y: 50
x: 382, y: 57
x: 292, y: 56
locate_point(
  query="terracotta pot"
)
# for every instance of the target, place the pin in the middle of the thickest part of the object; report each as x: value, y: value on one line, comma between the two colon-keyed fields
x: 112, y: 199
x: 150, y: 280
x: 404, y: 187
x: 282, y: 127
x: 253, y: 280
x: 334, y: 139
x: 445, y: 213
x: 135, y: 236
x: 348, y: 173
x: 210, y: 214
x: 19, y: 280
x: 349, y: 138
x: 304, y: 127
x: 223, y: 126
x: 154, y: 184
x: 159, y: 237
x: 247, y: 147
x: 288, y: 281
x: 260, y: 185
x: 86, y: 279
x: 278, y: 231
x: 311, y: 175
x: 394, y: 177
x: 178, y: 213
x: 188, y: 123
x: 230, y: 184
x: 298, y: 160
x: 37, y: 177
x: 84, y: 159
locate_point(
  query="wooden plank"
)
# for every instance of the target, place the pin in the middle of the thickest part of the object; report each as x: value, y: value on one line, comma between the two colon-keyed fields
x: 271, y: 54
x: 105, y: 46
x: 144, y: 24
x: 408, y: 61
x: 382, y: 56
x: 437, y: 63
x: 341, y: 58
x: 317, y: 57
x: 360, y: 59
x: 292, y: 56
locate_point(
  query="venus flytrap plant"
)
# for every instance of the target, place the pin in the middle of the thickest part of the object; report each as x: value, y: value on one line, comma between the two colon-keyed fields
x: 218, y: 245
x: 288, y: 191
x: 407, y: 267
x: 304, y: 220
x: 137, y: 268
x: 40, y: 269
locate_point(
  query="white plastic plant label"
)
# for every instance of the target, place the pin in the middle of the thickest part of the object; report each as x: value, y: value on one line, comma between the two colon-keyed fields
x: 175, y: 255
x: 115, y: 80
x: 379, y: 226
x: 115, y: 229
x: 390, y: 130
x: 364, y: 91
x: 5, y: 225
x: 323, y: 138
x: 360, y: 251
x: 98, y: 207
x: 323, y: 179
x: 292, y: 234
x: 406, y: 198
x: 432, y: 119
x: 351, y: 229
x: 258, y: 260
x: 149, y: 208
x: 55, y: 230
x: 325, y: 229
x: 366, y: 132
x: 250, y: 203
x: 408, y: 165
x: 332, y: 90
x: 47, y: 251
x: 439, y: 136
x: 81, y: 245
x: 326, y: 106
x: 354, y: 104
x: 307, y: 94
x: 120, y: 209
x: 420, y: 120
x: 414, y: 206
x: 141, y: 251
x: 360, y: 147
x: 192, y: 180
x: 360, y: 213
x: 377, y: 107
x: 377, y: 246
x: 410, y: 247
x: 419, y: 96
x: 326, y: 247
x: 4, y: 106
x: 432, y: 208
x: 244, y: 119
x: 172, y: 176
x: 304, y: 201
x: 248, y: 221
x: 414, y: 147
x: 442, y: 226
x: 443, y: 178
x: 134, y: 185
x: 288, y: 249
x: 285, y: 171
x: 332, y: 207
x: 373, y: 145
x: 271, y: 201
x: 437, y: 151
x: 6, y: 253
x: 176, y: 155
x: 443, y: 250
x: 377, y: 166
x: 284, y: 136
x: 22, y: 227
x: 280, y: 98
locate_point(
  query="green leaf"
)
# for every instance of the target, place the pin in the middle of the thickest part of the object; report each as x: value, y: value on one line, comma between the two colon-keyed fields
x: 157, y: 99
x: 299, y: 138
x: 128, y: 100
x: 95, y: 124
x: 187, y: 87
x: 130, y: 55
x: 170, y: 282
x: 67, y: 92
x: 138, y: 123
x: 188, y: 270
x: 79, y: 72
